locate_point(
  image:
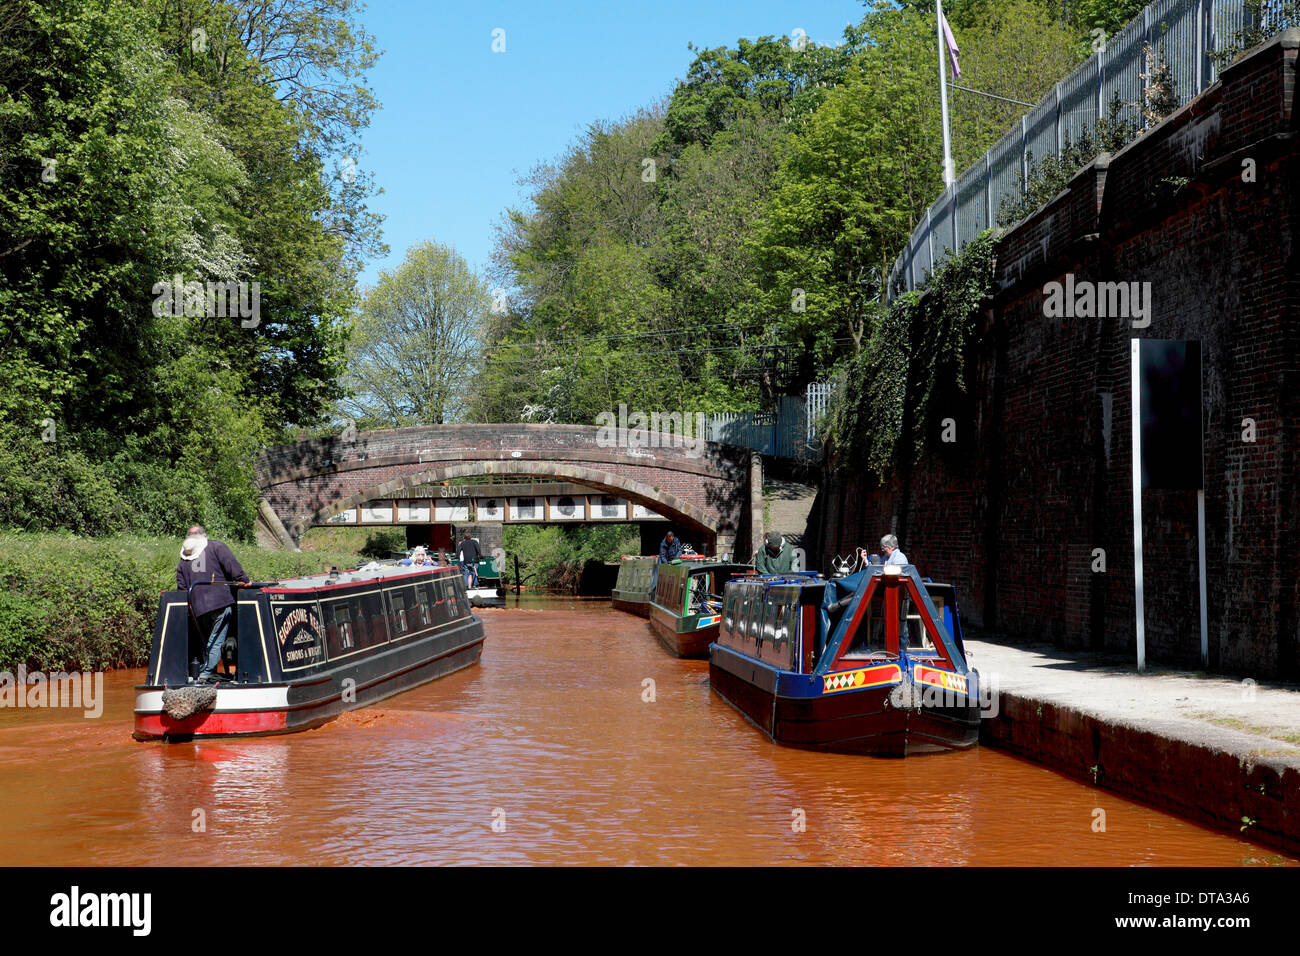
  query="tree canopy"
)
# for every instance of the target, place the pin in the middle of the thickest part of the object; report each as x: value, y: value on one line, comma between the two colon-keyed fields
x: 151, y: 142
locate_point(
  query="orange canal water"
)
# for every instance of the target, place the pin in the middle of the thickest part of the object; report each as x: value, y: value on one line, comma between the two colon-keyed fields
x: 550, y: 752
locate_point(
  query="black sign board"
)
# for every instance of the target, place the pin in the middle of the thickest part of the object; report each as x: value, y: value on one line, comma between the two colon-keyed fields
x: 1170, y: 375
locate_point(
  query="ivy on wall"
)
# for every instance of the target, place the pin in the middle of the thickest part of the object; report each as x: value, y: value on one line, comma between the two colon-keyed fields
x: 909, y: 380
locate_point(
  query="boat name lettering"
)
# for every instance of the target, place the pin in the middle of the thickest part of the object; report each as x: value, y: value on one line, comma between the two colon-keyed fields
x: 296, y: 618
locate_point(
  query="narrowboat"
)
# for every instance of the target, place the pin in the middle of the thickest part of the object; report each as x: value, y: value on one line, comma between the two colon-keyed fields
x: 872, y: 663
x: 687, y: 603
x: 305, y: 651
x: 489, y: 591
x: 635, y: 585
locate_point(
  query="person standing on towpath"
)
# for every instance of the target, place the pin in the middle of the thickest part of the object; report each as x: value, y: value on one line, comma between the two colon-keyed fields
x: 204, y: 572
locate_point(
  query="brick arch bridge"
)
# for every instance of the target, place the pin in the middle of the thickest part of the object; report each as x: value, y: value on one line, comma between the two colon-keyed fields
x: 712, y: 489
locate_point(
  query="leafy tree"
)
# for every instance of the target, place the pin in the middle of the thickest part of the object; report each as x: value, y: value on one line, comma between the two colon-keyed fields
x: 129, y: 153
x: 588, y: 324
x: 775, y: 78
x: 1109, y: 16
x: 285, y: 83
x: 417, y: 340
x: 106, y: 183
x: 866, y: 165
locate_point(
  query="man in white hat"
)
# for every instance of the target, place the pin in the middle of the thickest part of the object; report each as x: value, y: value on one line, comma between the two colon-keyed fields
x: 205, y: 571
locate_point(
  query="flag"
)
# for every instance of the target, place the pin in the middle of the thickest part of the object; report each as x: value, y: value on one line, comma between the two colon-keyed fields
x: 951, y: 43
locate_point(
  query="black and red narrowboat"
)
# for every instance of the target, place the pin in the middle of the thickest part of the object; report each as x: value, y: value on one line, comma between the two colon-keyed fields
x: 872, y: 663
x: 635, y: 585
x: 687, y: 604
x: 306, y: 650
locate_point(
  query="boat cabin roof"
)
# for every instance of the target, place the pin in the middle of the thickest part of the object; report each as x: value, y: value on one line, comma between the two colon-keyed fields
x: 365, y: 575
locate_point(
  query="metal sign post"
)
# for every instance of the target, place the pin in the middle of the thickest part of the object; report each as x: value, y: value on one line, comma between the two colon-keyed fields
x: 1136, y: 416
x: 1200, y: 533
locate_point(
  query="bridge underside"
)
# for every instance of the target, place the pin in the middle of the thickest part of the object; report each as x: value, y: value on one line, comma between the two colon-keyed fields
x: 709, y: 490
x: 710, y: 527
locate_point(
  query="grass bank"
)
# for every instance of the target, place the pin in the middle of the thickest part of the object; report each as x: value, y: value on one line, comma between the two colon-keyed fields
x: 76, y: 603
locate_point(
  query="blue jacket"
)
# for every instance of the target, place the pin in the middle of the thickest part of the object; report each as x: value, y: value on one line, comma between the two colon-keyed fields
x: 670, y: 552
x: 216, y: 563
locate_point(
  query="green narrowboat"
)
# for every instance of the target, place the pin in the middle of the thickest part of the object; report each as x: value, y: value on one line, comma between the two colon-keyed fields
x: 635, y: 585
x: 687, y: 603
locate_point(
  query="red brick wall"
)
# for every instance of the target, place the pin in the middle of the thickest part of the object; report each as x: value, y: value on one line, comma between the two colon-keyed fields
x: 1045, y: 482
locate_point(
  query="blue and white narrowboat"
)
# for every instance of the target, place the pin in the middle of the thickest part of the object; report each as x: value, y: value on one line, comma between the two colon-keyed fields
x: 872, y: 663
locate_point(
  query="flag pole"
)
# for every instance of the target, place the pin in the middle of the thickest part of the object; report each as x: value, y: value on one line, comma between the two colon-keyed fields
x: 948, y: 176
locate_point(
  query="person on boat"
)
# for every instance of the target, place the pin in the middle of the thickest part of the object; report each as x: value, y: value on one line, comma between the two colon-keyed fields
x: 670, y: 549
x: 775, y: 557
x: 889, y: 545
x: 205, y: 571
x: 468, y: 554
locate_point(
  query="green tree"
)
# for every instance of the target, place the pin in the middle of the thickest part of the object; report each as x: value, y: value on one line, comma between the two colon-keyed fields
x: 129, y: 153
x: 417, y: 340
x: 867, y: 164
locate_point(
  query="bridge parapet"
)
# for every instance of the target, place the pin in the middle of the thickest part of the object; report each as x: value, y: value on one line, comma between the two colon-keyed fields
x: 704, y: 486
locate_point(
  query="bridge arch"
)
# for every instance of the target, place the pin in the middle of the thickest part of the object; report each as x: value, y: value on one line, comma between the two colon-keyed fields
x: 712, y: 488
x: 667, y: 504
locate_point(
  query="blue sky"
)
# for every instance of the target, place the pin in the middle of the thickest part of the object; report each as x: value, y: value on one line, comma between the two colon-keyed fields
x: 459, y: 124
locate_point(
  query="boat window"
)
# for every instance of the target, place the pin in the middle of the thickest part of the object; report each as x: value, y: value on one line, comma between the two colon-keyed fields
x: 773, y: 641
x: 453, y: 597
x: 439, y: 607
x: 792, y: 635
x: 753, y: 620
x: 771, y: 612
x: 869, y: 639
x: 918, y: 638
x: 729, y: 610
x: 399, y: 612
x: 370, y: 610
x: 342, y: 635
x: 422, y: 604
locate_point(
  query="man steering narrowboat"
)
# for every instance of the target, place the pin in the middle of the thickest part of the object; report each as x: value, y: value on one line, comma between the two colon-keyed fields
x: 205, y: 572
x: 670, y: 549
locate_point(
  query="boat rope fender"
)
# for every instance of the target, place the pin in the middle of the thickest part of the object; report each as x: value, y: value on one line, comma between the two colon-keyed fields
x: 183, y: 702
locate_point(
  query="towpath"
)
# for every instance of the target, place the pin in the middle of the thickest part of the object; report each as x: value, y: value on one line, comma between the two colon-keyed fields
x: 1223, y: 751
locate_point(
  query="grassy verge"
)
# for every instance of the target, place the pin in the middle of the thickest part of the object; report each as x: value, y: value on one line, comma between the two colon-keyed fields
x: 75, y: 603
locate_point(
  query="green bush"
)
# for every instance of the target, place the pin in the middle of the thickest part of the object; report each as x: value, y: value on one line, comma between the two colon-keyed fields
x: 74, y: 603
x: 381, y: 542
x: 553, y: 556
